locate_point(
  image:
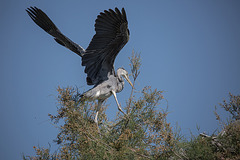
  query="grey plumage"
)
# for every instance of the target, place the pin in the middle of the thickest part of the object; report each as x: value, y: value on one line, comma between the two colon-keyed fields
x: 103, y: 90
x: 111, y: 36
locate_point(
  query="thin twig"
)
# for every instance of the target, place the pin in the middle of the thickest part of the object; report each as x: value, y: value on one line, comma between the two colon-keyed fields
x: 139, y: 153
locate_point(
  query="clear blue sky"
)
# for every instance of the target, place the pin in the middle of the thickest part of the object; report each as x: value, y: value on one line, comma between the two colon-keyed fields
x: 189, y: 49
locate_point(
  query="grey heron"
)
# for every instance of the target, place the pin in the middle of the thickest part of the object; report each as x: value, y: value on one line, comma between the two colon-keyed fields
x: 112, y: 34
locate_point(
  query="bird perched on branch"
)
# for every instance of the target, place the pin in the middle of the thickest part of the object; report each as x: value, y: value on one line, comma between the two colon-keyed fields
x: 112, y: 34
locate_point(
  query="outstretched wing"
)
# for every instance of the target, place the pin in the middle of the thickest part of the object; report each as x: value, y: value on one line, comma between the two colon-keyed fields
x: 43, y: 21
x: 111, y: 35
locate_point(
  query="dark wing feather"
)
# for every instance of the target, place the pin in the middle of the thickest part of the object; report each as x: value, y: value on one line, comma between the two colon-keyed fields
x: 43, y: 21
x: 111, y: 35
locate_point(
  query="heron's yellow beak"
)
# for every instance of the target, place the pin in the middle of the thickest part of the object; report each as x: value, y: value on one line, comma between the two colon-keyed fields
x: 126, y: 77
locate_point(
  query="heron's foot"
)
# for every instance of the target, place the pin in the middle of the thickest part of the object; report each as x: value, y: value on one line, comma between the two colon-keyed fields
x: 98, y: 129
x: 120, y: 109
x: 125, y: 114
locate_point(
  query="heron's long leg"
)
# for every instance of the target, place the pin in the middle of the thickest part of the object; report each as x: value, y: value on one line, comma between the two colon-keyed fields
x: 98, y: 108
x: 119, y: 107
x: 96, y: 116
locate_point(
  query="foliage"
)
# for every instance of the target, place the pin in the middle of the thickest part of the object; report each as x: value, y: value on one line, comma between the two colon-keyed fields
x: 143, y: 133
x: 224, y: 145
x: 200, y: 148
x: 42, y: 154
x: 229, y: 137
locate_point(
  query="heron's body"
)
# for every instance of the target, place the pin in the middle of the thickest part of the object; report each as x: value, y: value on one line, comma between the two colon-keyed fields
x: 111, y: 36
x: 104, y: 90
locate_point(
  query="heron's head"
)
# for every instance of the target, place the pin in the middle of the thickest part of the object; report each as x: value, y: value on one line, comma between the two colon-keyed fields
x: 121, y: 72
